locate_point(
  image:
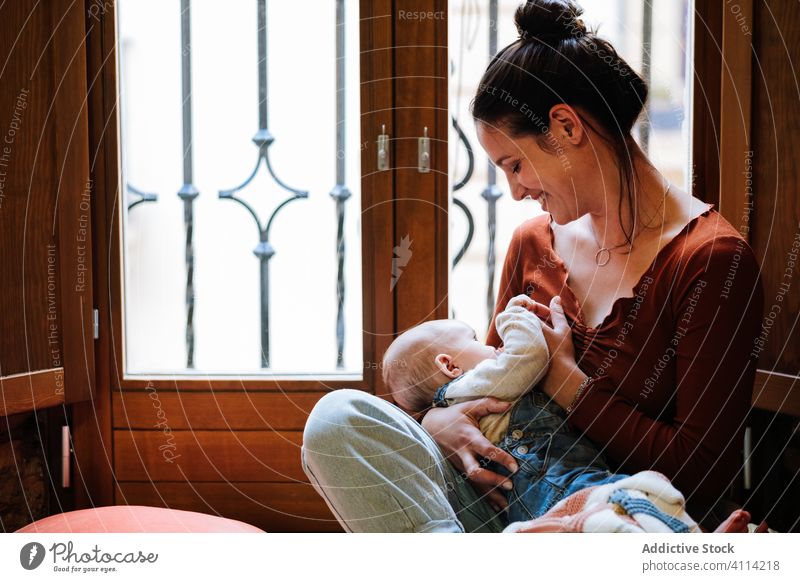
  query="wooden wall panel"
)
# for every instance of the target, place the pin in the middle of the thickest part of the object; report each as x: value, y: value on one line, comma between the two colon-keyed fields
x: 775, y: 234
x: 31, y: 391
x: 775, y: 237
x: 74, y: 194
x: 274, y: 507
x: 777, y: 392
x: 735, y: 198
x: 207, y: 456
x: 45, y: 196
x: 208, y: 410
x: 29, y: 260
x: 706, y: 90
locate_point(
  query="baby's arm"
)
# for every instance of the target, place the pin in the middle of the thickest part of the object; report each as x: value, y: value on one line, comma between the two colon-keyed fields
x: 521, y: 366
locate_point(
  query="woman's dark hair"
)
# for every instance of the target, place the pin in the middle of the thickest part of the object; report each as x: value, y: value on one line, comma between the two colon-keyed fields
x: 557, y: 60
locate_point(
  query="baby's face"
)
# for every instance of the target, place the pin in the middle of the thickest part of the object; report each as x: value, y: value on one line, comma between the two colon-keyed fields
x: 463, y: 346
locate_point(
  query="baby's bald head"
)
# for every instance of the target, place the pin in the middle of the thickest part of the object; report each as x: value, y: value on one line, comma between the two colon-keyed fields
x: 410, y: 370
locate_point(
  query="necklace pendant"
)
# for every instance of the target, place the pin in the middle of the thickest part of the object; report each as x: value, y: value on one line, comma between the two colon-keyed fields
x: 599, y: 255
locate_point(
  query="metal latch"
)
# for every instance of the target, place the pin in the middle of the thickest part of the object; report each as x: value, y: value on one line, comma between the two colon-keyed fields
x: 424, y: 161
x: 383, y: 150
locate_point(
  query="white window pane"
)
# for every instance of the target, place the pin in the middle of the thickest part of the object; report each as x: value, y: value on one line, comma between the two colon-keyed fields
x: 302, y: 118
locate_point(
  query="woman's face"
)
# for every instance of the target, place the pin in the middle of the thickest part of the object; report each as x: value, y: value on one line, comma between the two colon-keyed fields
x: 547, y: 177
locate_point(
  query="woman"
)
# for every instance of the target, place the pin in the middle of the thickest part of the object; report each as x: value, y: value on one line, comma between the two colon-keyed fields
x: 650, y: 344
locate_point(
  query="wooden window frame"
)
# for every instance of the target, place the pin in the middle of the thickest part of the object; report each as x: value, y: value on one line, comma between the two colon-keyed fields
x: 722, y: 110
x: 376, y: 243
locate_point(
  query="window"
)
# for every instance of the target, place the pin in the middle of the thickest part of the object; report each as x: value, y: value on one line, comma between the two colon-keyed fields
x: 241, y: 254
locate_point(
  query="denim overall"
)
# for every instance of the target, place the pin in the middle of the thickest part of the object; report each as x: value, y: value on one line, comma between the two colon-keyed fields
x: 554, y: 460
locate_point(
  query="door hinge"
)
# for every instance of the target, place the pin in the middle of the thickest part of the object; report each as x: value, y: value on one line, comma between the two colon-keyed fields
x: 96, y: 323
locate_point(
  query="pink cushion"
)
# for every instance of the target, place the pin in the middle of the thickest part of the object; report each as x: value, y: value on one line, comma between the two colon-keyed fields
x: 136, y: 519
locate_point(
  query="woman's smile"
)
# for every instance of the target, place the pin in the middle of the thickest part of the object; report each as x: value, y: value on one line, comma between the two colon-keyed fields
x: 540, y: 197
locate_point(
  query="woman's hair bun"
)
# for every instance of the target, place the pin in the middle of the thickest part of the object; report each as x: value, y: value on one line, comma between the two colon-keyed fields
x: 554, y: 19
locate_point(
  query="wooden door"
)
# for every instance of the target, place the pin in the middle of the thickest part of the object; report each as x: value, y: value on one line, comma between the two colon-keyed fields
x: 234, y: 443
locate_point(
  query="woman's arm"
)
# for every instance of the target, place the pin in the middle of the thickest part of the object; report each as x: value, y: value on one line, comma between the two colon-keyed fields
x: 718, y: 303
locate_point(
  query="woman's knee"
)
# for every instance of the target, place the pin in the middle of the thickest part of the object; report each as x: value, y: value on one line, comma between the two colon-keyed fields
x: 374, y: 465
x: 340, y: 417
x: 330, y: 414
x: 349, y: 423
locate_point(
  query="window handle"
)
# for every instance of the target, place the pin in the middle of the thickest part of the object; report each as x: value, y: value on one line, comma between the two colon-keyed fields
x: 383, y: 150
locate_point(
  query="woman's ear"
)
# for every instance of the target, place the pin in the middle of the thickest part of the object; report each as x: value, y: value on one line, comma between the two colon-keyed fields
x: 565, y: 124
x: 446, y: 364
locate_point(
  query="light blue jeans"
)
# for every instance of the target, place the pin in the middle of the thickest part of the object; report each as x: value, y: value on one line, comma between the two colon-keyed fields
x: 380, y: 471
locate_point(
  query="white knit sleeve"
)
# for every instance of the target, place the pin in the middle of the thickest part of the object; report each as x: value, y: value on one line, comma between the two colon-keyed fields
x: 517, y: 369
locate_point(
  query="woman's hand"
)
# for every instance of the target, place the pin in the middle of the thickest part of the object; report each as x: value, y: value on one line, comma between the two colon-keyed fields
x: 455, y: 430
x: 563, y: 376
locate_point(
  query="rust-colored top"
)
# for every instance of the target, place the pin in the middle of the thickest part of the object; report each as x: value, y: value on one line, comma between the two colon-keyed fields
x: 674, y: 361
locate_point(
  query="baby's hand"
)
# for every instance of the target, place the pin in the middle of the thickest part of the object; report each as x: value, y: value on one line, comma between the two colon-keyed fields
x: 538, y: 309
x: 522, y: 301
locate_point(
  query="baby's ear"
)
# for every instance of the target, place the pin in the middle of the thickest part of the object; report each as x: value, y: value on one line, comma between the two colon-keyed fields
x: 445, y: 363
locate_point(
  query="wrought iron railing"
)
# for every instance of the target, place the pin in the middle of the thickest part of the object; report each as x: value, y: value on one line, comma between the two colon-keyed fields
x: 263, y: 139
x: 464, y: 141
x: 188, y: 192
x: 140, y: 196
x: 340, y: 192
x: 491, y: 193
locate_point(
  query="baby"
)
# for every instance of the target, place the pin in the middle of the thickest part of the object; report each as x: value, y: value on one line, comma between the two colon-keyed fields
x: 441, y: 362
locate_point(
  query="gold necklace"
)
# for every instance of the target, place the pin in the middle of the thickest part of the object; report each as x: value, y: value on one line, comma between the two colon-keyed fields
x: 605, y: 252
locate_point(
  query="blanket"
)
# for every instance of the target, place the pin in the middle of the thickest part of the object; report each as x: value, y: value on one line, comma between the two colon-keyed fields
x: 644, y: 502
